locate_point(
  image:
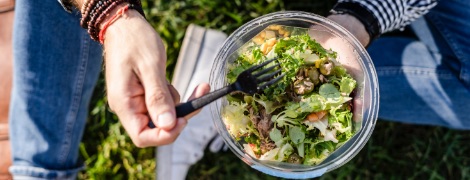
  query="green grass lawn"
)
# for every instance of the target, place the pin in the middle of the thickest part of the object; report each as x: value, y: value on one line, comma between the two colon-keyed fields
x: 395, y: 151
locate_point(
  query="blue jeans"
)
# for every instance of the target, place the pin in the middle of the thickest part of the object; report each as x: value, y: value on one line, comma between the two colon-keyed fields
x: 427, y: 80
x: 56, y: 66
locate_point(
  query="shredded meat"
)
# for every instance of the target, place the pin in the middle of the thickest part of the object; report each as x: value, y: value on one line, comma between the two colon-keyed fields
x: 254, y: 118
x: 265, y: 124
x: 266, y: 145
x: 262, y: 122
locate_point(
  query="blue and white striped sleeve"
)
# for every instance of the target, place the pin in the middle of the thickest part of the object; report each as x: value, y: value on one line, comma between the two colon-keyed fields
x: 392, y: 14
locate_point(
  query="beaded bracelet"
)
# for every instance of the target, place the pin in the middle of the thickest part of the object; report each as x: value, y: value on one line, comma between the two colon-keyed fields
x: 86, y: 11
x: 106, y: 24
x: 93, y: 24
x: 95, y: 11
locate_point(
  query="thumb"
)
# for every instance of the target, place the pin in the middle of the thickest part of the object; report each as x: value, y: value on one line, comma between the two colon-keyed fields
x: 160, y: 106
x: 159, y: 100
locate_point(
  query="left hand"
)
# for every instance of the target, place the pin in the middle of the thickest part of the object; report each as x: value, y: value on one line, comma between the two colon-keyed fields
x: 354, y: 26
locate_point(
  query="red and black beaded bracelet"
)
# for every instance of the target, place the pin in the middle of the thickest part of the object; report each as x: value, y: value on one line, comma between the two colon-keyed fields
x: 96, y: 19
x: 87, y: 11
x: 95, y: 11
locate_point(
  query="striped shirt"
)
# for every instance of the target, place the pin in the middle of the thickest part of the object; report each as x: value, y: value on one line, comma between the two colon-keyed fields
x: 394, y: 14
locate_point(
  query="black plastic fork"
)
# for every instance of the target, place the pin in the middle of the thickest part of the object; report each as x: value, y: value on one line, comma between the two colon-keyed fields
x: 249, y: 81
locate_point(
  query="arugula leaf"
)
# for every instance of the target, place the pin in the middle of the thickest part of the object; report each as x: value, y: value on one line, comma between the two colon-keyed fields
x: 328, y: 90
x: 296, y: 135
x: 347, y: 85
x: 275, y: 134
x: 301, y: 149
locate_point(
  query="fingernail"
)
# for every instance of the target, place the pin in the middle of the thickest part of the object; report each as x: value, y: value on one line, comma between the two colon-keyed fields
x: 166, y: 120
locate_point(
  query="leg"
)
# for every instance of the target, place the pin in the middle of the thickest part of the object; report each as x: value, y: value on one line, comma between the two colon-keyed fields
x: 55, y: 69
x: 416, y: 87
x: 426, y: 81
x: 449, y: 28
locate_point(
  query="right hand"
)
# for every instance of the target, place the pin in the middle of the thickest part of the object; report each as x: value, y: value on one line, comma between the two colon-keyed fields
x: 137, y: 89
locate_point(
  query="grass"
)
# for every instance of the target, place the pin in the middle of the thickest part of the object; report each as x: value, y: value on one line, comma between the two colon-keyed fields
x: 395, y: 151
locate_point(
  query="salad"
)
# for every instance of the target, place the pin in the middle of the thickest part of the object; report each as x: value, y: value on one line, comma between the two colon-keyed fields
x: 303, y: 118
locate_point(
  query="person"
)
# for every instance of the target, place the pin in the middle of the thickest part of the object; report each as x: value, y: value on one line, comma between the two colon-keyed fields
x: 423, y: 78
x: 56, y: 65
x: 431, y: 90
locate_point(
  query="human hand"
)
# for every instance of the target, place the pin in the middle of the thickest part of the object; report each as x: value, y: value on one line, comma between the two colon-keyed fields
x: 137, y: 89
x: 354, y: 26
x: 347, y: 51
x: 347, y: 54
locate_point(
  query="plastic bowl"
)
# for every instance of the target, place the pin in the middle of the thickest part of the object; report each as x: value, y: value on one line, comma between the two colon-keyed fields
x: 351, y: 55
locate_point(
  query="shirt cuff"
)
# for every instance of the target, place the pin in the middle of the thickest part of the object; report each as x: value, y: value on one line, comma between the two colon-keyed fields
x: 364, y: 15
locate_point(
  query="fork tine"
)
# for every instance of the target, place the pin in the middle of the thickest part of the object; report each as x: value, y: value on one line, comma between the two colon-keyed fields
x: 266, y: 70
x: 269, y: 83
x: 260, y: 65
x: 268, y: 76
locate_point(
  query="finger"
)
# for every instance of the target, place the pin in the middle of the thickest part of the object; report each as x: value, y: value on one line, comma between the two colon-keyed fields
x: 146, y: 137
x: 174, y: 94
x: 158, y: 98
x: 199, y: 91
x: 160, y: 105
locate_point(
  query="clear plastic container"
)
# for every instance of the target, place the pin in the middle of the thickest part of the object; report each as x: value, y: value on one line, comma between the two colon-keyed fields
x: 351, y: 55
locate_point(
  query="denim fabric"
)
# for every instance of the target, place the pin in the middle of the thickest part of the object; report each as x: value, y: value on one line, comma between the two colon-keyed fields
x: 427, y: 80
x: 56, y: 66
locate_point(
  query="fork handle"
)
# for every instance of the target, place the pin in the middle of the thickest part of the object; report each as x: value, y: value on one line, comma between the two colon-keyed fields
x: 186, y: 108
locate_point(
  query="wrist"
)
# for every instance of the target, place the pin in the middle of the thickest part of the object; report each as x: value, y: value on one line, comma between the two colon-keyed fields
x: 130, y: 22
x: 97, y: 14
x: 354, y: 26
x: 358, y: 14
x: 114, y: 11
